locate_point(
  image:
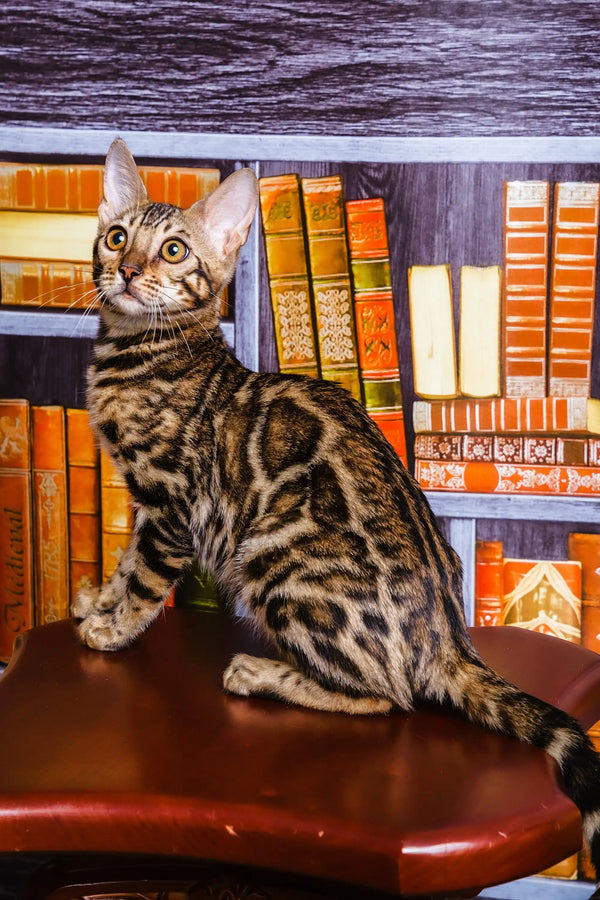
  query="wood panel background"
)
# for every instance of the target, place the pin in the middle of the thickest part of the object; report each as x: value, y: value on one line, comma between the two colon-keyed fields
x: 367, y: 67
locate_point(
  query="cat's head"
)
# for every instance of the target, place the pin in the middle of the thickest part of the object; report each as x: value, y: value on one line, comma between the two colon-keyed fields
x: 157, y: 262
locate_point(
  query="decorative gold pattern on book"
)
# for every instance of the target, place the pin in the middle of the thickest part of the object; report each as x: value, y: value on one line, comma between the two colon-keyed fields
x: 295, y: 325
x: 335, y: 325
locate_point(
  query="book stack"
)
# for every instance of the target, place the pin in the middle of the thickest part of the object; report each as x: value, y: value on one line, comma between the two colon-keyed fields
x: 514, y: 412
x: 65, y: 519
x: 48, y: 225
x: 331, y: 292
x: 558, y: 597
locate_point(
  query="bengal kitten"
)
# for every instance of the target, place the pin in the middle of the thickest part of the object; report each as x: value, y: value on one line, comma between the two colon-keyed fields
x: 281, y: 486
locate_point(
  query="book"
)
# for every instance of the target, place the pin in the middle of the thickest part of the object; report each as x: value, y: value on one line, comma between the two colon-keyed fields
x: 116, y: 515
x: 573, y: 288
x: 489, y: 582
x: 500, y: 415
x: 289, y: 288
x: 526, y: 227
x: 51, y: 548
x: 479, y: 331
x: 375, y: 318
x: 543, y: 596
x: 330, y: 280
x: 83, y: 503
x: 79, y: 188
x: 507, y: 478
x: 47, y: 236
x: 585, y: 548
x: 16, y: 524
x: 504, y: 448
x: 432, y: 331
x: 48, y: 284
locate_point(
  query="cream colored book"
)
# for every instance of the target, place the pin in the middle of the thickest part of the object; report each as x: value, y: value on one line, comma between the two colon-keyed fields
x: 432, y: 331
x: 44, y: 235
x: 479, y: 331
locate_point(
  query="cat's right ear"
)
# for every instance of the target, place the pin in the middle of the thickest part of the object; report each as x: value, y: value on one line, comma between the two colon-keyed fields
x: 123, y: 187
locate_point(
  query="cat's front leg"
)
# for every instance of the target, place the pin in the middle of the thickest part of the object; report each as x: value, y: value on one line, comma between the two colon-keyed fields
x: 112, y: 616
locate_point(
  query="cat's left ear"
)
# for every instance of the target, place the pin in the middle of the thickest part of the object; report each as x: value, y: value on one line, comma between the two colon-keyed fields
x: 228, y: 212
x: 123, y: 187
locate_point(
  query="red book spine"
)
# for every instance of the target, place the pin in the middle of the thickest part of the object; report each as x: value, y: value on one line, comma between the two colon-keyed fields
x: 585, y: 548
x: 526, y: 221
x: 507, y: 415
x: 573, y: 287
x: 501, y: 478
x: 489, y: 588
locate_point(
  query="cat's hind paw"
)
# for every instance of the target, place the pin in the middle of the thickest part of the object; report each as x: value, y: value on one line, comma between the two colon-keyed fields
x: 243, y: 675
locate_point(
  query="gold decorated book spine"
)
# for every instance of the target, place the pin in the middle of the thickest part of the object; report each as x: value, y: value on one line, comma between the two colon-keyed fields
x: 16, y: 524
x: 84, y: 503
x: 330, y: 278
x: 49, y: 461
x: 289, y: 287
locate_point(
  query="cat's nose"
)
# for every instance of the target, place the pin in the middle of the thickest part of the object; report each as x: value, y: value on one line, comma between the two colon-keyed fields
x: 129, y: 272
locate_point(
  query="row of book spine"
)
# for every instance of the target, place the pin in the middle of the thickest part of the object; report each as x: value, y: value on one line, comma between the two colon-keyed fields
x: 48, y: 225
x: 65, y: 514
x: 558, y: 597
x: 525, y: 329
x: 331, y: 292
x: 526, y: 332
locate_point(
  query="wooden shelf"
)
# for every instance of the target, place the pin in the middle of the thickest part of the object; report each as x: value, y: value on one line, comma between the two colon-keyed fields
x: 34, y: 323
x: 301, y: 147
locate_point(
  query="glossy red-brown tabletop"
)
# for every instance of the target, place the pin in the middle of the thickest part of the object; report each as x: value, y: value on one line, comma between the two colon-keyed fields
x: 141, y: 751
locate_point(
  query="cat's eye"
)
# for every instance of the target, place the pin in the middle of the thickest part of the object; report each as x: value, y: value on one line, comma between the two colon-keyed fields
x: 116, y: 238
x: 174, y: 251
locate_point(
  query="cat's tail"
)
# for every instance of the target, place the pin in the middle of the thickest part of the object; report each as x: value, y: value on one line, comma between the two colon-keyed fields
x: 486, y: 699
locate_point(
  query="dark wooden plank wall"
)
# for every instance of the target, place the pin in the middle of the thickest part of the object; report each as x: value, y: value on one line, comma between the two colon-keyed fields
x: 374, y: 67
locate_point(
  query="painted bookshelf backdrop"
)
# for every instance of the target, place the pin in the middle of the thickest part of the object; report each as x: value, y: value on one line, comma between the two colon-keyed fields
x: 431, y: 106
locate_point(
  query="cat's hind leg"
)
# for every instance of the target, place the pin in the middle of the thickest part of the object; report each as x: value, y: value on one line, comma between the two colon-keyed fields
x: 253, y: 676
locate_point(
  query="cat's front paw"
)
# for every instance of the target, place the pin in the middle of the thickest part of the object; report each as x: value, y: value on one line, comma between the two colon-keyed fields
x: 99, y: 632
x: 96, y: 625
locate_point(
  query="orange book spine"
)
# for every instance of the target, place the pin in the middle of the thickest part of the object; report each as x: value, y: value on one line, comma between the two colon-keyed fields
x: 84, y: 503
x: 116, y: 511
x: 585, y: 548
x: 502, y: 478
x: 49, y: 463
x: 57, y: 284
x: 544, y: 596
x: 375, y: 318
x: 508, y: 414
x: 573, y: 288
x: 16, y: 524
x: 330, y: 279
x: 289, y: 287
x: 68, y: 188
x: 489, y: 585
x: 526, y: 224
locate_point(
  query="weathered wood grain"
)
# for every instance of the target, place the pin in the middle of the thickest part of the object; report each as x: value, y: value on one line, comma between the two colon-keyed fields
x: 369, y: 67
x: 44, y: 370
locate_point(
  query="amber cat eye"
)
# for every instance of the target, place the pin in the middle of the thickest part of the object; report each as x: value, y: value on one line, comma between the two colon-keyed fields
x: 174, y: 251
x: 116, y: 238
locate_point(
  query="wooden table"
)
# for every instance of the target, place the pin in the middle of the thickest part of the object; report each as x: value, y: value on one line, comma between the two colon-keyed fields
x: 141, y: 752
